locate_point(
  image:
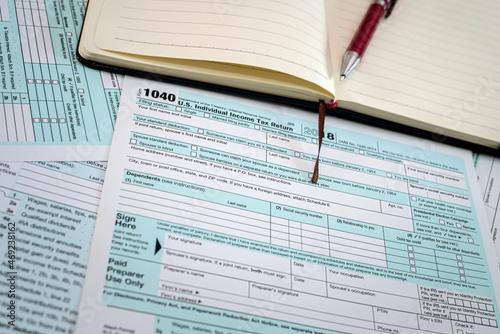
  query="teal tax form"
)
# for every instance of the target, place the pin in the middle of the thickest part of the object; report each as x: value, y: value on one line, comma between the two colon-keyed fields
x: 52, y: 107
x: 209, y: 223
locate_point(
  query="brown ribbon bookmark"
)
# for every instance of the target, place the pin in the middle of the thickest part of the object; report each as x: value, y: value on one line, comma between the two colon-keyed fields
x: 321, y: 126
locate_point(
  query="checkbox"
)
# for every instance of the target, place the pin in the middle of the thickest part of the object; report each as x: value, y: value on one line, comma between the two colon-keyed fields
x: 81, y: 90
x: 193, y: 154
x: 62, y: 120
x: 459, y: 257
x: 462, y: 278
x: 362, y: 152
x: 206, y: 115
x: 314, y: 141
x: 459, y: 225
x: 179, y: 109
x: 133, y: 141
x: 413, y: 269
x: 256, y: 127
x: 53, y: 120
x: 441, y: 221
x: 194, y: 147
x: 200, y: 131
x: 413, y: 198
x: 297, y: 154
x: 389, y: 174
x: 410, y: 248
x: 45, y: 120
x: 36, y: 120
x: 471, y: 241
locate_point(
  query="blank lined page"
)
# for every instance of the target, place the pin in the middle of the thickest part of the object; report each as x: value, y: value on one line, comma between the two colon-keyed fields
x: 433, y: 62
x: 280, y: 35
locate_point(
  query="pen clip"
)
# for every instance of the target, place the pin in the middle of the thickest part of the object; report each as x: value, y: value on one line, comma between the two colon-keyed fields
x: 390, y: 7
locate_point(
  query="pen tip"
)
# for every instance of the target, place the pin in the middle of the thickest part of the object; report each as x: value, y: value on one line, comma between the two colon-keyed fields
x: 342, y: 77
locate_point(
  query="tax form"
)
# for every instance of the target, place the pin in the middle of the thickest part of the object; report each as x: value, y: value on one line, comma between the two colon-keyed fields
x: 52, y: 107
x: 488, y: 171
x: 209, y: 223
x: 47, y: 216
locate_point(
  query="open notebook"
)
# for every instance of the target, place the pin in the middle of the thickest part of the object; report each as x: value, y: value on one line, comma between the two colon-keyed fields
x: 432, y: 65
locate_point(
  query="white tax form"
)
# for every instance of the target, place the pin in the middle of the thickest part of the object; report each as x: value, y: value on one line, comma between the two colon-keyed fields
x: 488, y: 171
x: 209, y: 223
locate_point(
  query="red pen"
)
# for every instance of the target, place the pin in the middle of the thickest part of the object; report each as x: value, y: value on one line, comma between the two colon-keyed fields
x: 360, y: 41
